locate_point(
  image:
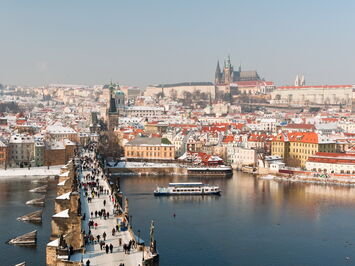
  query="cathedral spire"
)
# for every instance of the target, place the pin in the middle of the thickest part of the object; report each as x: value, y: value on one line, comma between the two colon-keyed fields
x: 218, y: 74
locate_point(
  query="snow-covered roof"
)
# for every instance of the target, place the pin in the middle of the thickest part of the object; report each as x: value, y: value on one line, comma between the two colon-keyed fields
x: 54, y: 243
x: 62, y: 183
x: 20, y: 138
x: 65, y: 173
x: 57, y: 129
x: 65, y: 196
x: 63, y: 214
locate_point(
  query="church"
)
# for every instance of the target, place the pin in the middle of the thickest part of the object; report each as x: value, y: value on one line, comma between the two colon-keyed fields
x: 228, y: 75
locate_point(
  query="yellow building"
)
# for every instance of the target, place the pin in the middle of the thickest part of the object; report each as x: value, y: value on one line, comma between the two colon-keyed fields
x: 296, y: 147
x: 144, y: 148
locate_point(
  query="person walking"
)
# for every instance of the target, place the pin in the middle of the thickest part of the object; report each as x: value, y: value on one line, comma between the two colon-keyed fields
x: 104, y: 236
x: 88, y: 263
x: 104, y: 202
x: 106, y: 249
x: 95, y: 214
x: 111, y: 248
x: 113, y: 231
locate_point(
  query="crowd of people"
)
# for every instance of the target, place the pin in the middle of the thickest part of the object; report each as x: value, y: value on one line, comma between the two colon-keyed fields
x: 94, y: 184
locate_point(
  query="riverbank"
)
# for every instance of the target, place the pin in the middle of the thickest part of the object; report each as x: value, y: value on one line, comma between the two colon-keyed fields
x: 166, y: 169
x: 32, y: 172
x: 312, y: 179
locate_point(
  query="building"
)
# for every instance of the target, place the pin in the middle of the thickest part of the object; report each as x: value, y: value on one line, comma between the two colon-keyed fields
x: 238, y: 156
x: 298, y: 127
x: 21, y: 150
x: 253, y: 87
x: 59, y: 132
x: 39, y: 153
x: 228, y: 75
x: 112, y: 113
x: 4, y: 154
x: 144, y: 111
x: 297, y: 147
x: 272, y: 163
x: 144, y: 148
x: 120, y: 100
x: 59, y: 152
x: 178, y: 90
x: 338, y: 163
x: 304, y: 95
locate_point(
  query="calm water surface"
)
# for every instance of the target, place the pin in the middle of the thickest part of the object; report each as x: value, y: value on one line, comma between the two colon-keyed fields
x: 254, y: 222
x: 13, y: 195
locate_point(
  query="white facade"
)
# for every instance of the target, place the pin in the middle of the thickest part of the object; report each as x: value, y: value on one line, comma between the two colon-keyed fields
x: 144, y: 111
x: 342, y: 168
x: 347, y: 126
x: 329, y: 164
x: 336, y: 94
x: 21, y: 150
x: 240, y: 156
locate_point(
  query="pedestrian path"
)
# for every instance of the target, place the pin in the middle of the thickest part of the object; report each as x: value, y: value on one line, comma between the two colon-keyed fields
x: 94, y: 253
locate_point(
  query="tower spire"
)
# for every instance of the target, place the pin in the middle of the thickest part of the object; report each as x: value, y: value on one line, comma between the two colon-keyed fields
x: 218, y: 74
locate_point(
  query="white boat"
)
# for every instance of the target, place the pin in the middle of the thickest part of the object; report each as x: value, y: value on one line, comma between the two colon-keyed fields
x: 187, y: 189
x: 220, y: 170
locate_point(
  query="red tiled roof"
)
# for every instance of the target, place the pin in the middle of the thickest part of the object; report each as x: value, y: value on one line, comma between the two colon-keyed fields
x: 300, y: 126
x: 303, y: 137
x: 336, y: 158
x: 228, y: 139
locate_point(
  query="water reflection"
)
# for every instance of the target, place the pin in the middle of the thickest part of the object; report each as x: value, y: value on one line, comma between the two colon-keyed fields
x: 283, y: 223
x: 189, y: 198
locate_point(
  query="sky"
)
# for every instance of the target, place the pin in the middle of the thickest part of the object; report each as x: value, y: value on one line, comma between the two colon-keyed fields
x: 151, y: 41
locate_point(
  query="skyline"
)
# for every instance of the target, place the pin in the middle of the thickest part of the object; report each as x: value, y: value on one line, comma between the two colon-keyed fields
x: 142, y: 43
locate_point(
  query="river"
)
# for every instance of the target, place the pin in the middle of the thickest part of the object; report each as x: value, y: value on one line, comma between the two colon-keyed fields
x: 14, y: 192
x: 254, y: 222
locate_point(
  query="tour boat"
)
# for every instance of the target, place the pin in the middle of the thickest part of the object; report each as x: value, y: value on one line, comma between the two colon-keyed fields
x: 220, y: 170
x: 187, y: 189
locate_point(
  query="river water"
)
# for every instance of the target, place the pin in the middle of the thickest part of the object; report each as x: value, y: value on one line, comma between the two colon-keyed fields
x: 253, y: 222
x: 14, y: 192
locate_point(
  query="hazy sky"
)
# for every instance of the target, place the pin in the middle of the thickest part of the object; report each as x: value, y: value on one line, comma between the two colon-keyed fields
x: 151, y: 41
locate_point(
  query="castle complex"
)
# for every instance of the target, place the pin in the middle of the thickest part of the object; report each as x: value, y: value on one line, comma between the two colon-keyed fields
x: 228, y: 75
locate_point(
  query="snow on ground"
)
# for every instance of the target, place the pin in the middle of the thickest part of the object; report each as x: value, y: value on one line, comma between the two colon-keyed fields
x: 310, y: 179
x: 141, y: 165
x: 93, y: 252
x: 32, y: 172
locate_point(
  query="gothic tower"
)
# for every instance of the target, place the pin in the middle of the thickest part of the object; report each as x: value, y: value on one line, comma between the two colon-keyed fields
x: 112, y: 112
x: 228, y: 71
x: 218, y: 75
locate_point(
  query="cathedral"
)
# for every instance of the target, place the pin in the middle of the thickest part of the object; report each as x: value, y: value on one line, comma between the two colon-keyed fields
x: 228, y: 75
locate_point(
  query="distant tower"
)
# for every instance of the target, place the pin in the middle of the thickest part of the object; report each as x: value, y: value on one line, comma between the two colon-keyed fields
x: 297, y: 81
x: 303, y: 81
x: 228, y: 71
x: 218, y: 75
x: 300, y: 81
x: 112, y: 112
